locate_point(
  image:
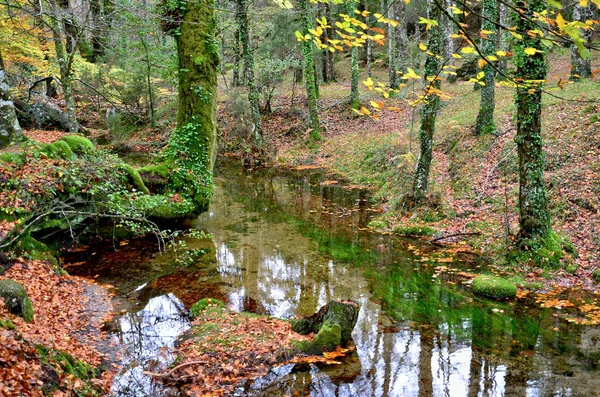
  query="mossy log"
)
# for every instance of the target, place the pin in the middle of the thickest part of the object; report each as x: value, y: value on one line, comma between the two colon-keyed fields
x: 333, y: 325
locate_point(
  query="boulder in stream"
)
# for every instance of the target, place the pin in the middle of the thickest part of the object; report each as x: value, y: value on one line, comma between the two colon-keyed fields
x: 332, y: 324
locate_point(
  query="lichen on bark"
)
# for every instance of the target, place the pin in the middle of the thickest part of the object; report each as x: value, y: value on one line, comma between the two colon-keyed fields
x: 9, y: 124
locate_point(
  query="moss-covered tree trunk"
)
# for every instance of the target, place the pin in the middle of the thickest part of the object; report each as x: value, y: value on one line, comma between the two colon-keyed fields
x: 387, y: 9
x: 581, y: 67
x: 449, y: 28
x: 534, y: 218
x: 248, y: 56
x: 65, y: 62
x: 309, y: 72
x: 429, y: 108
x: 9, y: 124
x: 485, y: 119
x: 354, y: 101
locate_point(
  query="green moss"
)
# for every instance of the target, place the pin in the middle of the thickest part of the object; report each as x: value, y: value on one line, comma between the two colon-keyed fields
x: 545, y: 251
x: 78, y: 144
x: 7, y: 324
x: 13, y: 158
x: 596, y: 275
x: 67, y: 365
x: 414, y: 230
x: 135, y: 178
x: 494, y: 287
x: 207, y: 306
x: 63, y: 150
x: 571, y: 269
x: 16, y: 299
x: 161, y: 169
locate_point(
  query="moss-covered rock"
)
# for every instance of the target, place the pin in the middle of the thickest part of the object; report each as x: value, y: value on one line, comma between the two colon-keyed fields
x: 16, y: 299
x: 78, y: 144
x: 494, y: 287
x: 63, y: 150
x: 207, y: 304
x: 135, y: 179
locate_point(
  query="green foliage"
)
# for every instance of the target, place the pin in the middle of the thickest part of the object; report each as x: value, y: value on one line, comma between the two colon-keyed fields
x: 10, y: 157
x: 494, y: 287
x: 544, y: 251
x: 79, y: 144
x: 596, y: 275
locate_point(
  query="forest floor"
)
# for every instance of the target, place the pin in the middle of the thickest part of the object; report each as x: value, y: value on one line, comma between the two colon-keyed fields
x: 474, y: 180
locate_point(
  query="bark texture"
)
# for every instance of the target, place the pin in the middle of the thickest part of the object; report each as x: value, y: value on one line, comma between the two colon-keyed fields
x: 9, y: 124
x: 309, y: 72
x: 581, y: 67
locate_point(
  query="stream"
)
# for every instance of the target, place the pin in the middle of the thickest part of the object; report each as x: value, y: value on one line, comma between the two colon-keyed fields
x: 285, y: 242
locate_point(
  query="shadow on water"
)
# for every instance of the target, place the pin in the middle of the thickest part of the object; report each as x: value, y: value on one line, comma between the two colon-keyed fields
x: 287, y: 242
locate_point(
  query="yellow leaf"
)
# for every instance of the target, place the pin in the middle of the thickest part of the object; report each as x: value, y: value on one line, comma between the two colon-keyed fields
x: 531, y: 51
x: 516, y: 35
x: 369, y: 83
x: 583, y: 3
x: 423, y: 47
x: 560, y: 21
x: 364, y: 110
x: 456, y: 56
x: 467, y: 50
x: 375, y: 104
x: 480, y: 75
x: 481, y: 63
x: 501, y: 53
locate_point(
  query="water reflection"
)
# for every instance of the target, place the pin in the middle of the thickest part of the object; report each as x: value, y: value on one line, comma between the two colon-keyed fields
x: 288, y: 245
x: 147, y: 337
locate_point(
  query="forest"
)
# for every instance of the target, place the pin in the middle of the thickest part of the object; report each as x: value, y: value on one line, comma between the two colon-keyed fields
x: 299, y: 198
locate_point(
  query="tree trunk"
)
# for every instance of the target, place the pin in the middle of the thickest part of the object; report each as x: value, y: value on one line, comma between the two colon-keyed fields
x: 581, y: 67
x: 332, y: 324
x: 309, y: 73
x: 198, y: 55
x: 248, y: 55
x: 388, y: 11
x: 354, y: 101
x: 328, y: 73
x: 429, y: 108
x: 401, y: 36
x: 485, y: 119
x: 65, y: 60
x: 503, y: 35
x: 534, y: 218
x: 9, y: 124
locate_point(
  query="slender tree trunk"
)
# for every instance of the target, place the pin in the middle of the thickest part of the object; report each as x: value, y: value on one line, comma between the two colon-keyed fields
x: 401, y: 35
x: 149, y: 84
x: 65, y: 60
x: 388, y: 10
x: 485, y: 119
x: 429, y: 108
x: 534, y: 218
x: 9, y: 124
x: 354, y: 101
x: 503, y: 35
x: 581, y: 67
x: 449, y: 28
x: 198, y: 56
x: 309, y: 72
x: 248, y: 55
x: 328, y: 74
x: 236, y: 58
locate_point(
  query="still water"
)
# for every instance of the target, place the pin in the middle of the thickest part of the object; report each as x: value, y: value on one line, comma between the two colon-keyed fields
x: 285, y: 243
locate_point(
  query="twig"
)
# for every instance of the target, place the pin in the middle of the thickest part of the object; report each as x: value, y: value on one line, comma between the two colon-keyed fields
x: 170, y: 372
x: 454, y: 235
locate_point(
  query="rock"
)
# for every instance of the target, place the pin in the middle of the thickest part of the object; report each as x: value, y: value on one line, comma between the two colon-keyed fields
x: 16, y: 299
x: 333, y: 325
x: 494, y: 287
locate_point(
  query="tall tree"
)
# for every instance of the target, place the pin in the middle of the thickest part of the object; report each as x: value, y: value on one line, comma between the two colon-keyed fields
x: 248, y: 56
x: 328, y: 72
x: 503, y: 34
x: 581, y: 67
x: 65, y: 54
x: 430, y: 106
x: 387, y: 9
x: 309, y: 72
x: 534, y: 217
x: 9, y: 124
x: 354, y: 101
x: 485, y: 119
x: 401, y: 36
